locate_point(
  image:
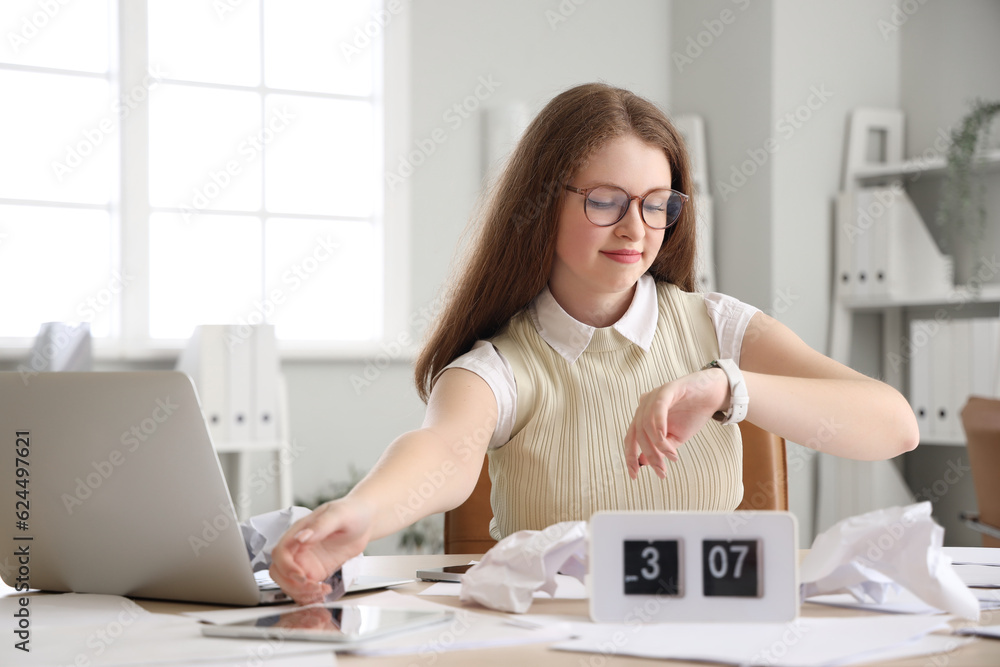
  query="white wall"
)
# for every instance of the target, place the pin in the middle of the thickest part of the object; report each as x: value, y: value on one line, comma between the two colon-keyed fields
x: 721, y: 69
x: 531, y: 51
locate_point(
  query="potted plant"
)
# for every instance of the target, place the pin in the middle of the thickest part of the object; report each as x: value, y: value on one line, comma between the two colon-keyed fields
x: 962, y: 209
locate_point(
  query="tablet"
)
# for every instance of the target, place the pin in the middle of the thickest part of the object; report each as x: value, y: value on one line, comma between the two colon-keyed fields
x: 329, y: 623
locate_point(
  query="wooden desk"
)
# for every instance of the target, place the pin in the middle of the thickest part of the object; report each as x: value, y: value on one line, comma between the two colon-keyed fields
x: 980, y: 653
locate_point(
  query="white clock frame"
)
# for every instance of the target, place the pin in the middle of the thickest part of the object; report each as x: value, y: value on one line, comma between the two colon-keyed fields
x: 777, y: 572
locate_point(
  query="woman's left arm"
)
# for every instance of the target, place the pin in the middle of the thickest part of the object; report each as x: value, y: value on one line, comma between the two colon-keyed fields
x: 810, y: 399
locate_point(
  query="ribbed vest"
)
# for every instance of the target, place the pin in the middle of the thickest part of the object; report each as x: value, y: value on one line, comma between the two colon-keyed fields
x: 566, y: 459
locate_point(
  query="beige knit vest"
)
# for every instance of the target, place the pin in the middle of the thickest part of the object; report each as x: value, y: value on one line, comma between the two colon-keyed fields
x: 566, y: 460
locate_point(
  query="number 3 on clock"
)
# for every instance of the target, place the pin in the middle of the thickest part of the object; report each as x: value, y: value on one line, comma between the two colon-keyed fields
x: 652, y: 567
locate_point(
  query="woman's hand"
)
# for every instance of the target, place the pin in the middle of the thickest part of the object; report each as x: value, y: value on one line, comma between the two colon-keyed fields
x: 317, y: 545
x: 668, y: 416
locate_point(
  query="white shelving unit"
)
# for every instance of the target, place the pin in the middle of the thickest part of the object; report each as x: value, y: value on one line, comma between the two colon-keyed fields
x: 855, y: 486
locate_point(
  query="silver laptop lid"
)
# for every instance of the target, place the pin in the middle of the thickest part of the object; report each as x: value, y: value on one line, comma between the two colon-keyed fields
x: 124, y: 493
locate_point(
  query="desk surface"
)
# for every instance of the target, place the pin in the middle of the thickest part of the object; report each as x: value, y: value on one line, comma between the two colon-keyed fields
x: 979, y: 653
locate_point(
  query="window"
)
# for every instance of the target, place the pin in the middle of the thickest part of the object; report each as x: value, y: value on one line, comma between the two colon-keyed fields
x: 169, y: 163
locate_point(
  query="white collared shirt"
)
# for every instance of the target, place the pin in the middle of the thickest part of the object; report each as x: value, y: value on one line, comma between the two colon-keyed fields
x: 570, y: 337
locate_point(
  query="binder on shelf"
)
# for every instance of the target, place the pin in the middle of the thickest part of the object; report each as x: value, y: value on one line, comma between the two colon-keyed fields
x: 894, y: 254
x: 920, y: 378
x: 235, y: 369
x: 206, y: 360
x: 864, y: 227
x: 984, y: 347
x: 942, y: 391
x: 266, y: 367
x: 240, y: 344
x: 914, y: 263
x: 843, y: 244
x: 961, y: 376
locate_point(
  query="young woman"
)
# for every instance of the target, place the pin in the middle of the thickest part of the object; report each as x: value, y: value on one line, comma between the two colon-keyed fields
x: 574, y: 352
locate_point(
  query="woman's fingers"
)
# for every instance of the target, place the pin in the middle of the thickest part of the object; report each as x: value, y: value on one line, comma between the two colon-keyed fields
x: 634, y: 458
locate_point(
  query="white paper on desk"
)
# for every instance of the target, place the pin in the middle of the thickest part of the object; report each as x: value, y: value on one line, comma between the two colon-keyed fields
x: 567, y: 588
x: 870, y: 554
x: 991, y: 631
x: 105, y: 630
x: 524, y: 562
x: 979, y: 576
x: 973, y: 555
x: 899, y: 602
x: 805, y: 642
x: 989, y: 598
x: 468, y: 630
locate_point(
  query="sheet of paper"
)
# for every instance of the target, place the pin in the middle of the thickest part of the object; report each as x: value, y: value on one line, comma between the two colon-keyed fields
x: 468, y: 630
x: 991, y: 631
x: 900, y: 602
x: 806, y: 642
x: 989, y: 598
x: 872, y: 554
x: 567, y: 588
x: 107, y: 630
x: 979, y: 576
x: 973, y: 555
x: 328, y: 659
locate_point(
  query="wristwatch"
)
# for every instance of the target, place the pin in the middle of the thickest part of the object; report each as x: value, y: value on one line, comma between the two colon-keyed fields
x: 739, y: 399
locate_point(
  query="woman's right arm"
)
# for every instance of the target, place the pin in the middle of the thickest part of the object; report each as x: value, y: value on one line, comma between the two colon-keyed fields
x: 429, y: 470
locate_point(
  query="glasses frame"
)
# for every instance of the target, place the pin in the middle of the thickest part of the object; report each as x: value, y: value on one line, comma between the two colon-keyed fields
x: 642, y: 200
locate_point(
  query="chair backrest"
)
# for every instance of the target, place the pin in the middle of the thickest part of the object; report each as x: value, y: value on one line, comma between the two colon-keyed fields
x: 981, y: 421
x: 765, y: 487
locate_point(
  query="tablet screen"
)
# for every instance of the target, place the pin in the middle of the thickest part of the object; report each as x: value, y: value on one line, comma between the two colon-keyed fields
x: 331, y: 623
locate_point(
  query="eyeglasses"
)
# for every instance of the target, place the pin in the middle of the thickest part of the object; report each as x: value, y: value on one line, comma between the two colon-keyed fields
x: 605, y: 205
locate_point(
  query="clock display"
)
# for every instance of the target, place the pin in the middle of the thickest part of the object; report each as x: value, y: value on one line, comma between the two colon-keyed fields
x: 730, y: 568
x: 652, y: 567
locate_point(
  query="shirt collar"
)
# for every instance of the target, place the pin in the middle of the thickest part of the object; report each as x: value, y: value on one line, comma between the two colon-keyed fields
x: 570, y: 338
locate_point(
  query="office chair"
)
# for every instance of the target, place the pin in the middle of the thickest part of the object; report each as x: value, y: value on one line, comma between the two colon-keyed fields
x: 981, y: 421
x: 765, y: 487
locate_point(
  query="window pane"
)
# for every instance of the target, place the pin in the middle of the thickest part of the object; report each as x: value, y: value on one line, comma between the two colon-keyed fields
x: 60, y: 34
x: 202, y: 40
x: 60, y: 139
x: 204, y: 148
x: 56, y: 266
x: 322, y: 158
x: 203, y: 272
x: 322, y: 46
x: 324, y: 279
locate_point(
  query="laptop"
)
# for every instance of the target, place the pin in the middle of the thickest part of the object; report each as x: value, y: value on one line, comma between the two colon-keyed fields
x: 113, y: 486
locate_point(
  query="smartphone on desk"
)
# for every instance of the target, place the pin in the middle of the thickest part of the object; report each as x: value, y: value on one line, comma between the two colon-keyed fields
x: 447, y: 573
x: 329, y: 623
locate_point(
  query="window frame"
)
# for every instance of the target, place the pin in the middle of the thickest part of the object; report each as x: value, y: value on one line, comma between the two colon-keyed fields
x: 128, y: 69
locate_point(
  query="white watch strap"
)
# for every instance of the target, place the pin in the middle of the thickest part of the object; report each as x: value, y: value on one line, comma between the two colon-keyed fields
x: 739, y: 398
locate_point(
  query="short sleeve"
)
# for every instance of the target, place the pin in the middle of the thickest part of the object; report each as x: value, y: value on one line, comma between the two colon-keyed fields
x: 486, y: 361
x: 730, y: 317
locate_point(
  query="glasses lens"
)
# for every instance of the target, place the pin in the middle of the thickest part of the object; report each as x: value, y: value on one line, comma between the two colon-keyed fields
x: 656, y: 208
x: 606, y: 205
x: 661, y: 208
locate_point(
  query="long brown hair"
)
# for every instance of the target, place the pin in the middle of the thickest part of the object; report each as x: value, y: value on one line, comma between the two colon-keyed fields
x: 511, y: 257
